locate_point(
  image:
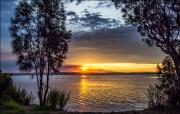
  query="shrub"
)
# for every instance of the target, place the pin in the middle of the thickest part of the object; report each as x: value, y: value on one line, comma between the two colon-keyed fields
x: 168, y: 82
x: 63, y: 99
x: 165, y: 92
x: 156, y: 99
x: 53, y: 98
x: 21, y: 96
x: 59, y: 98
x: 10, y: 106
x: 9, y: 91
x: 6, y: 85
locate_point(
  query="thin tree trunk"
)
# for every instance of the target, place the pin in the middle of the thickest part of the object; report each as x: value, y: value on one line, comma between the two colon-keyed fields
x: 41, y: 88
x: 47, y: 84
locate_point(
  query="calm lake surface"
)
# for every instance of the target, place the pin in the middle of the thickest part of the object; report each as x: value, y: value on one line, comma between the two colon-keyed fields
x: 98, y: 93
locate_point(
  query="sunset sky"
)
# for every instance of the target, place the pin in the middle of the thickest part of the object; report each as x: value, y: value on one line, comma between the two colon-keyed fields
x: 101, y: 42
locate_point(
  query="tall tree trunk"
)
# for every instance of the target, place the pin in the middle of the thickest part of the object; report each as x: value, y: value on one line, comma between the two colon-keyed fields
x: 47, y: 85
x: 177, y: 68
x: 40, y: 91
x: 41, y: 84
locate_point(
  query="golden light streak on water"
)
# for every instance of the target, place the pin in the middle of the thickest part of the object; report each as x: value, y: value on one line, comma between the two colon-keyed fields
x: 83, y: 84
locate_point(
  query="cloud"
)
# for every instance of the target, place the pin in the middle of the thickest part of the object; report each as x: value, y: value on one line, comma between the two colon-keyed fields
x: 78, y: 68
x: 92, y: 15
x: 71, y: 68
x: 93, y: 21
x: 71, y: 13
x: 98, y: 35
x: 122, y: 44
x: 104, y: 4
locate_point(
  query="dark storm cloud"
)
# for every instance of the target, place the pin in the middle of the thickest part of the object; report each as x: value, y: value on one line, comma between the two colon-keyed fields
x: 122, y: 44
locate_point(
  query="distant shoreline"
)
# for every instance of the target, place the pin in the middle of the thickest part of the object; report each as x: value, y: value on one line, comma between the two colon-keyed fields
x: 76, y: 73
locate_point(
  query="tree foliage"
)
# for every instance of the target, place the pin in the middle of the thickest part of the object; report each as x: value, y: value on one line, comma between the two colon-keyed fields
x: 158, y: 22
x: 40, y: 39
x: 165, y: 92
x: 156, y: 98
x: 168, y: 82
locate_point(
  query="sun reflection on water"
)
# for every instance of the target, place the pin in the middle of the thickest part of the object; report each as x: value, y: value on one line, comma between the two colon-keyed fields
x: 83, y: 92
x: 83, y: 84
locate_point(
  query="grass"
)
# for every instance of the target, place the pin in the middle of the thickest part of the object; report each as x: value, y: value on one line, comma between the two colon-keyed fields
x: 10, y: 106
x: 41, y: 108
x: 58, y: 99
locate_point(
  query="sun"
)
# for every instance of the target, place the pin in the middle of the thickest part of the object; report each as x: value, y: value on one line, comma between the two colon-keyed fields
x: 84, y: 68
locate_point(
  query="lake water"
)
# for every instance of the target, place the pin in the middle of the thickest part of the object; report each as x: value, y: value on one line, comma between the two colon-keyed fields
x: 98, y: 93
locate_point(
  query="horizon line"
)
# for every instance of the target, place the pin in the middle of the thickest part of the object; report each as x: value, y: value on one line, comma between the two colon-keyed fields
x: 80, y: 73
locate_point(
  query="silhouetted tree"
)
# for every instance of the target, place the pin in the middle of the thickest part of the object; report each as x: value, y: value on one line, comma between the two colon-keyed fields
x: 164, y: 93
x: 158, y: 22
x: 168, y: 81
x: 155, y: 97
x: 40, y: 39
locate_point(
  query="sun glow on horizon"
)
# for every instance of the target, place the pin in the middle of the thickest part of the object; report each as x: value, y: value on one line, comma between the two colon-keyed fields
x: 119, y: 67
x: 84, y: 68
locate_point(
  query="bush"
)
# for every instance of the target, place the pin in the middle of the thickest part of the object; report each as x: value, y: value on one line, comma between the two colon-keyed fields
x: 53, y: 98
x: 165, y: 92
x: 10, y: 106
x: 6, y: 85
x: 63, y: 99
x: 21, y: 96
x: 156, y: 99
x: 9, y: 91
x: 59, y: 98
x: 168, y: 82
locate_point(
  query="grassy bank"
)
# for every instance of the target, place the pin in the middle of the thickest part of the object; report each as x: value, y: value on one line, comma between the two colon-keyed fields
x: 48, y: 110
x: 131, y: 112
x: 58, y: 112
